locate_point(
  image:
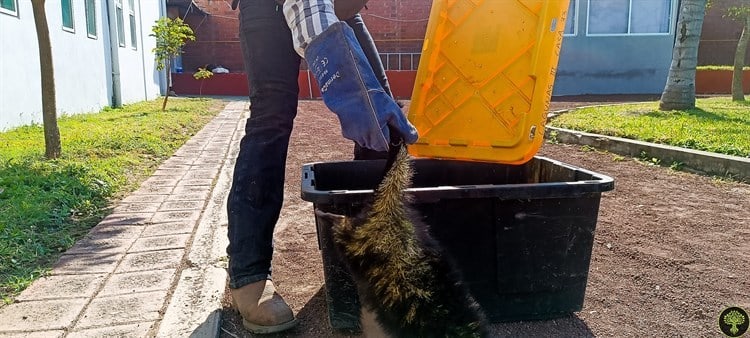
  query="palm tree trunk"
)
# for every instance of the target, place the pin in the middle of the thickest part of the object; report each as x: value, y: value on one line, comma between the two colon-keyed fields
x: 52, y: 148
x: 679, y: 92
x: 739, y: 62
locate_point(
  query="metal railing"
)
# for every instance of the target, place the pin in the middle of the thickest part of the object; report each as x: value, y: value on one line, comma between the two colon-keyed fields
x: 400, y: 61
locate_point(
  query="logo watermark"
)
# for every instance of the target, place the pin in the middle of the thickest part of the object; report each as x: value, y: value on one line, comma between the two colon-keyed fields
x: 733, y: 321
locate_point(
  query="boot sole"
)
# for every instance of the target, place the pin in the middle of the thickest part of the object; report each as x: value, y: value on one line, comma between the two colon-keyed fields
x: 265, y: 329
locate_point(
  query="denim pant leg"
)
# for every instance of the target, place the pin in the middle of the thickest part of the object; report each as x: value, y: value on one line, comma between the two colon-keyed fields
x: 371, y: 52
x: 257, y: 191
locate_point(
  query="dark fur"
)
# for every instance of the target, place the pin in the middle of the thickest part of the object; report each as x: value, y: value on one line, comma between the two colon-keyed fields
x: 402, y: 274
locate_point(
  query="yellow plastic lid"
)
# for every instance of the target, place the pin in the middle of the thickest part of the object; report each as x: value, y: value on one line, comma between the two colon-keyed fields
x: 485, y: 78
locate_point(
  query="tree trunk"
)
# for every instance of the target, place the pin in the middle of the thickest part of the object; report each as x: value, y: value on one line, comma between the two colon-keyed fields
x: 679, y: 93
x: 52, y: 146
x: 739, y: 62
x: 169, y: 85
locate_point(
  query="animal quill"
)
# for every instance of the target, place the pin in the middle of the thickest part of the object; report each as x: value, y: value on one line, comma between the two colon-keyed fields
x: 403, y: 276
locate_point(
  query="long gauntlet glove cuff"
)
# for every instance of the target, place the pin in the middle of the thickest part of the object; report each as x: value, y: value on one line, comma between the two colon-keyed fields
x: 351, y: 90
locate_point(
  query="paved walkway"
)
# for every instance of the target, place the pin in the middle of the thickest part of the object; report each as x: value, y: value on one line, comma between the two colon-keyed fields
x: 150, y: 268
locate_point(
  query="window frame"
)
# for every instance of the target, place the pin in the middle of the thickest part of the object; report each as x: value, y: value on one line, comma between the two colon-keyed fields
x: 672, y: 21
x: 10, y: 12
x: 90, y: 8
x: 131, y: 22
x: 120, y: 20
x: 72, y: 28
x: 574, y: 15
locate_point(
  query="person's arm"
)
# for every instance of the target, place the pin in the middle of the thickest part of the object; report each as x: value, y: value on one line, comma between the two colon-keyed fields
x: 347, y: 82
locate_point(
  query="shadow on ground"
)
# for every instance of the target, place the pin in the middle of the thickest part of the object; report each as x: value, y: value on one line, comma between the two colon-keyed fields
x: 313, y: 322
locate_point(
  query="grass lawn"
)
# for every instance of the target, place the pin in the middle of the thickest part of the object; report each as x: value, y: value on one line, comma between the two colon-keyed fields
x: 720, y: 68
x: 716, y: 124
x: 45, y: 206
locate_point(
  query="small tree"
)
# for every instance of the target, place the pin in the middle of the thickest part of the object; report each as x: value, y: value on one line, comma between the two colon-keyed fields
x: 170, y: 36
x: 741, y: 14
x: 52, y: 147
x: 202, y: 74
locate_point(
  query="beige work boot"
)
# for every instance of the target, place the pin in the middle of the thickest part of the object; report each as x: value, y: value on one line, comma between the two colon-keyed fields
x: 262, y: 309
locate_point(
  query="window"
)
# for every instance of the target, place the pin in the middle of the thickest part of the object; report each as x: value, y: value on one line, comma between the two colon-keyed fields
x: 572, y: 19
x: 650, y: 16
x: 67, y: 15
x: 133, y: 36
x: 90, y: 18
x: 120, y: 23
x: 623, y: 17
x: 9, y: 7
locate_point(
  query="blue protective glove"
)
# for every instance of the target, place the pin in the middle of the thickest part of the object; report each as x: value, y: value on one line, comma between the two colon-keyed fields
x: 351, y: 90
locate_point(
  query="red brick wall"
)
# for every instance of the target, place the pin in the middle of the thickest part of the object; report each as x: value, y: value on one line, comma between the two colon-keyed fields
x: 216, y: 37
x: 398, y: 26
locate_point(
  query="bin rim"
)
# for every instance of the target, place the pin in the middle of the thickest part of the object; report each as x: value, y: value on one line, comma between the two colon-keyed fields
x: 522, y: 191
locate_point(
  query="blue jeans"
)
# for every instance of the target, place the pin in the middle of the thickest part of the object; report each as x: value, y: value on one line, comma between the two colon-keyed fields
x: 257, y: 191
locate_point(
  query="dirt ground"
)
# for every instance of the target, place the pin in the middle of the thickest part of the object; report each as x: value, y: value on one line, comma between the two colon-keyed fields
x: 671, y: 249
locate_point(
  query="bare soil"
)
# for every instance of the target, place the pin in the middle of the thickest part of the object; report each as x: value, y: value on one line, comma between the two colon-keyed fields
x: 671, y: 249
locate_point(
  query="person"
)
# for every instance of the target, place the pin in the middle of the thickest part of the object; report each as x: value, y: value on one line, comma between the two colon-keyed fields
x: 273, y: 38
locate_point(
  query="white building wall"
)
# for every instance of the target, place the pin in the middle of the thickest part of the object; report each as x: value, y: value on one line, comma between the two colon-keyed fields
x: 83, y: 79
x: 138, y: 75
x: 20, y: 102
x: 81, y: 74
x: 155, y: 84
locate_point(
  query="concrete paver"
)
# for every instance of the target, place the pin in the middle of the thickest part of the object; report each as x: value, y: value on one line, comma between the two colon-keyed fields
x: 197, y: 181
x: 63, y: 286
x: 181, y: 205
x: 194, y: 196
x: 176, y: 216
x: 155, y: 189
x: 101, y: 245
x: 145, y: 198
x: 120, y: 278
x: 142, y: 281
x: 151, y: 260
x: 131, y: 330
x: 137, y: 207
x: 122, y: 309
x: 40, y: 315
x: 115, y: 231
x: 87, y: 263
x: 202, y: 173
x: 170, y: 173
x: 170, y: 228
x: 34, y: 334
x: 159, y: 181
x: 138, y: 218
x: 160, y: 243
x: 190, y: 189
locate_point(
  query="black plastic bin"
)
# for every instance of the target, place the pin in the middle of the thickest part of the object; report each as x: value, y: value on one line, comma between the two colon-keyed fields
x: 521, y: 235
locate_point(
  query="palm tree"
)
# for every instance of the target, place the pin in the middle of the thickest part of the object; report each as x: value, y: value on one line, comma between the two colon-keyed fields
x: 52, y: 148
x: 740, y: 14
x: 679, y: 93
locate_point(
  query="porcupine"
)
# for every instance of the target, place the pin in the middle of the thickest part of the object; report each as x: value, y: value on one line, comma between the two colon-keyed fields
x: 403, y: 276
